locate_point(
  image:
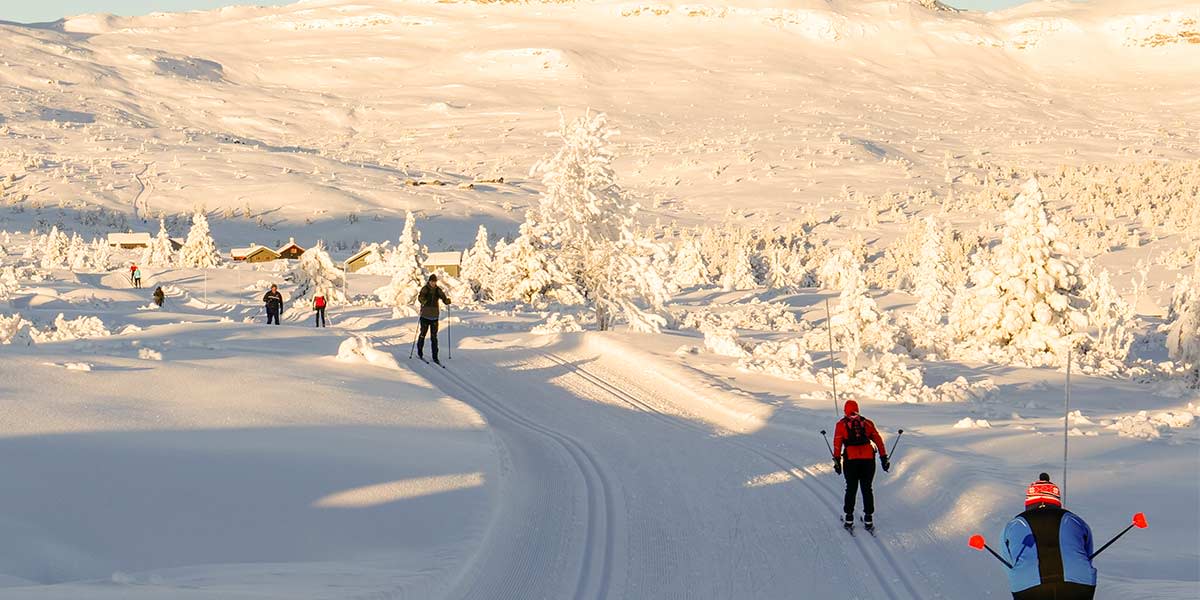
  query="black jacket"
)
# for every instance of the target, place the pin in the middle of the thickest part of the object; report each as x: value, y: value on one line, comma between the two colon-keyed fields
x: 428, y: 297
x: 274, y: 300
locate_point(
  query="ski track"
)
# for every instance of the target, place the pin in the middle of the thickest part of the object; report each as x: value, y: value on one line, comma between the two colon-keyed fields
x: 598, y: 546
x: 784, y: 464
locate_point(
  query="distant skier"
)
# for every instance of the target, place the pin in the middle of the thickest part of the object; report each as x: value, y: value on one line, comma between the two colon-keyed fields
x: 136, y: 274
x: 852, y: 440
x: 274, y: 302
x: 1050, y: 548
x: 429, y: 296
x: 159, y: 296
x: 319, y: 306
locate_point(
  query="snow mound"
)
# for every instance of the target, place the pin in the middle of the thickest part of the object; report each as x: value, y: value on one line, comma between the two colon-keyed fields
x: 558, y: 323
x: 969, y: 423
x: 724, y: 342
x: 74, y: 329
x: 1146, y: 426
x: 360, y: 349
x: 149, y: 354
x: 73, y: 366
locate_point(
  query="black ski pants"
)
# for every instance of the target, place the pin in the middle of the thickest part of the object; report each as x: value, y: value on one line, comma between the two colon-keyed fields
x: 1063, y: 590
x: 859, y: 472
x: 428, y: 326
x: 272, y: 316
x: 320, y: 318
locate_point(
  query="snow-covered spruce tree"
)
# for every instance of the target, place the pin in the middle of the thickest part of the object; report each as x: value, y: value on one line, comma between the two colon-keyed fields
x: 406, y: 265
x: 478, y: 265
x: 860, y: 328
x: 1025, y: 300
x: 316, y: 274
x: 839, y: 269
x: 690, y: 269
x: 1183, y: 334
x: 737, y: 272
x: 526, y: 272
x: 199, y: 251
x: 931, y: 279
x: 587, y: 223
x: 160, y: 253
x: 55, y: 249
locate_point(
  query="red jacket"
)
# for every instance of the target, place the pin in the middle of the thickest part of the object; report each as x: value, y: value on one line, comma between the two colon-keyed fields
x: 840, y: 433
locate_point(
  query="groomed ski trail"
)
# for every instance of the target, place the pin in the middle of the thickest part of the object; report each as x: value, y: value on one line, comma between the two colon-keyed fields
x: 798, y: 474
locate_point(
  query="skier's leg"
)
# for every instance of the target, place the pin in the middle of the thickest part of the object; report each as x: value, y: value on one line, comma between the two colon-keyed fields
x: 421, y: 337
x: 1075, y: 591
x: 1037, y: 592
x: 433, y: 340
x: 867, y: 476
x: 851, y: 486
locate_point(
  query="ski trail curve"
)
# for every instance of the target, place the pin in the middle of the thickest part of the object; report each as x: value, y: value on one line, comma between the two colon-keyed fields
x: 796, y: 473
x: 596, y: 564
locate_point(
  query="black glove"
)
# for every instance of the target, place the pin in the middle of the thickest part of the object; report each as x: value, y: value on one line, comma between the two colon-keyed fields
x: 837, y: 466
x: 885, y: 463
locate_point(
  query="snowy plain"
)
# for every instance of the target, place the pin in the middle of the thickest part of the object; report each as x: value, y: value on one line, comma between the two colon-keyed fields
x: 193, y: 452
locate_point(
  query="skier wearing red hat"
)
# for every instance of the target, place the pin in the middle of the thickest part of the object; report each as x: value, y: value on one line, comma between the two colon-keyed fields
x: 854, y: 456
x: 1050, y: 548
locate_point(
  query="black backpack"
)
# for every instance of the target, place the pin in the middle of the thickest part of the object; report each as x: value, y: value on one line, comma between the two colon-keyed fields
x: 856, y: 431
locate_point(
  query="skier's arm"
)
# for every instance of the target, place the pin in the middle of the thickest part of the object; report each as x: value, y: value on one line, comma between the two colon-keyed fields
x: 839, y: 433
x: 445, y: 298
x: 878, y: 439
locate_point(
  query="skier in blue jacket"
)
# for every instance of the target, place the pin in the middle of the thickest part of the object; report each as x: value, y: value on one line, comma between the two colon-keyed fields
x: 1050, y: 549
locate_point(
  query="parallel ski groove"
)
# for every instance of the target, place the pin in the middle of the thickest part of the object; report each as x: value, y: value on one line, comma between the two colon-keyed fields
x: 781, y: 462
x: 596, y: 569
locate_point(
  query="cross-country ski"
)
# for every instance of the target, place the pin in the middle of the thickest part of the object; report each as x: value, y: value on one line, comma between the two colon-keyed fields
x: 733, y: 299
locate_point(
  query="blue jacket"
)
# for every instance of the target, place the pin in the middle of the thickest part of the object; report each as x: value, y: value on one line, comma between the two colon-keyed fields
x: 1047, y: 544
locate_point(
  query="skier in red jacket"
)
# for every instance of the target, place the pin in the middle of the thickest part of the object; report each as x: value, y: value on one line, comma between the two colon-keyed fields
x: 854, y: 456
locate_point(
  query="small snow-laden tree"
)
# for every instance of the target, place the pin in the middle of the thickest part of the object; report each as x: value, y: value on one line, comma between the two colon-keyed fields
x: 860, y: 328
x: 1183, y: 333
x: 405, y: 263
x: 690, y: 269
x: 737, y: 271
x: 77, y: 254
x: 526, y: 272
x: 931, y: 279
x: 1110, y: 319
x: 840, y: 270
x: 587, y: 223
x: 160, y: 252
x: 478, y: 266
x: 15, y: 331
x: 315, y: 274
x: 8, y: 284
x: 55, y: 249
x: 1025, y: 301
x: 101, y: 255
x: 199, y: 250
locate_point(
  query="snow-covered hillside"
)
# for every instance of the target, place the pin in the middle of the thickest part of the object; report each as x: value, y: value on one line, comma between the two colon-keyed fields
x: 690, y: 231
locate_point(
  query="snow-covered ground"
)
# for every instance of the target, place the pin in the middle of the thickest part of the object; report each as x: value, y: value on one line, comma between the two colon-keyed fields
x: 974, y: 197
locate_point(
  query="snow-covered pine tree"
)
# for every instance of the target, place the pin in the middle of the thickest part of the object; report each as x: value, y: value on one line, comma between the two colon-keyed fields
x: 316, y: 274
x: 737, y: 273
x: 689, y: 269
x: 931, y: 280
x: 526, y: 272
x: 406, y: 265
x: 160, y: 253
x: 55, y: 249
x: 587, y: 223
x: 1025, y: 300
x: 1183, y: 334
x: 478, y: 265
x: 859, y: 326
x: 199, y: 251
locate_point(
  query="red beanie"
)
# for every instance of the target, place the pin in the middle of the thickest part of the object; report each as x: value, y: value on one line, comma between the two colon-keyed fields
x: 1042, y: 491
x: 851, y: 408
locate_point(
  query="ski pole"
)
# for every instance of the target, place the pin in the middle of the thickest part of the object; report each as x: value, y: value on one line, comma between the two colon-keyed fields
x: 414, y: 344
x: 892, y: 452
x: 977, y: 542
x: 832, y: 371
x: 1139, y: 521
x: 449, y: 342
x: 827, y: 443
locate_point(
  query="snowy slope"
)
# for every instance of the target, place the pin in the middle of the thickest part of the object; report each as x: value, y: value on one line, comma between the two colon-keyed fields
x: 306, y: 117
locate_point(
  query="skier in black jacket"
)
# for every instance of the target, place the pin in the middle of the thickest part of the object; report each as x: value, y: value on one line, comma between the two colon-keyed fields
x: 429, y: 296
x: 274, y: 302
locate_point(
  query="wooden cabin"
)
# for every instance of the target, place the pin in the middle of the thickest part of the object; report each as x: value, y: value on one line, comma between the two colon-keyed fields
x: 362, y: 258
x: 253, y: 254
x: 290, y: 250
x: 450, y: 262
x: 129, y: 241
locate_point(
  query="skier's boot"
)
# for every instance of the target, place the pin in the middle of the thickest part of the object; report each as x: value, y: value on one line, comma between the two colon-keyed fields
x: 868, y: 523
x: 849, y: 522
